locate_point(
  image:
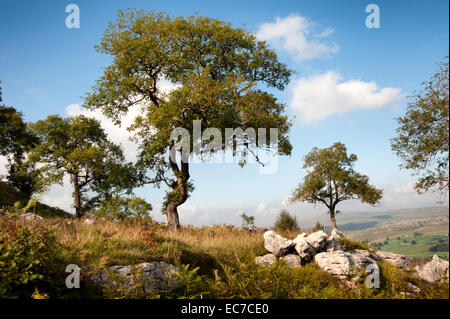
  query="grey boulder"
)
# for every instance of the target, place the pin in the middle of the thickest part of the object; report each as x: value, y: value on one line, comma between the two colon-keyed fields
x: 397, y: 260
x: 31, y: 218
x: 434, y: 271
x: 277, y: 244
x: 344, y: 265
x: 154, y: 275
x: 266, y: 260
x: 292, y: 260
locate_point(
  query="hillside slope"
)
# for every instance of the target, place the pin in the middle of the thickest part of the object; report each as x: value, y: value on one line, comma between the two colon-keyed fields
x: 9, y: 196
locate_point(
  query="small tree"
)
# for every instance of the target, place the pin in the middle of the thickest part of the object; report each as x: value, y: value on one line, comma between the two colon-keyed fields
x: 331, y: 180
x: 423, y: 133
x: 247, y: 221
x: 286, y: 222
x: 79, y: 147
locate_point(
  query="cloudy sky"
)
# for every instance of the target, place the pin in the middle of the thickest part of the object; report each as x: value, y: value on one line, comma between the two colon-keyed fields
x: 351, y: 83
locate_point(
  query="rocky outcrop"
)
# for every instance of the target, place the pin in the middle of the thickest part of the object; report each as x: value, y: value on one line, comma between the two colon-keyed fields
x: 277, y: 244
x: 434, y: 271
x: 344, y: 265
x: 266, y: 260
x: 155, y: 275
x: 31, y: 218
x: 397, y: 260
x: 295, y: 252
x: 292, y: 260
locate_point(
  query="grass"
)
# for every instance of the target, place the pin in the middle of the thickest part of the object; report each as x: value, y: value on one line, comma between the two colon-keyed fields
x: 418, y: 250
x: 220, y: 259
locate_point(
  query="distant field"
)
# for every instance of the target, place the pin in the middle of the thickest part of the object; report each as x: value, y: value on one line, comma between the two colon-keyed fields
x: 404, y: 245
x: 431, y: 222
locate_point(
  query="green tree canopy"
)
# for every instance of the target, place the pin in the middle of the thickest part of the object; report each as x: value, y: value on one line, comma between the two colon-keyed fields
x: 331, y: 179
x: 16, y: 140
x: 423, y: 133
x: 120, y: 207
x: 79, y: 147
x: 220, y: 74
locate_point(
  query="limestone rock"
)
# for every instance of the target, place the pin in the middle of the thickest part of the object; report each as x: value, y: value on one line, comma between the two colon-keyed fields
x: 413, y: 288
x: 337, y: 234
x: 344, y: 265
x: 317, y: 240
x: 89, y: 221
x: 397, y: 260
x: 434, y: 271
x: 155, y: 275
x: 332, y: 244
x: 266, y: 260
x: 31, y: 218
x: 277, y: 244
x: 302, y: 246
x: 292, y: 260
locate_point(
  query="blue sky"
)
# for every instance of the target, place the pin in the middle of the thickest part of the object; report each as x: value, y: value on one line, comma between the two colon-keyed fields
x: 356, y: 80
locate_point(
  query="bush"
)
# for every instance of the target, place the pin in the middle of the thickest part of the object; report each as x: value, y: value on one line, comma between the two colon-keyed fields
x: 286, y: 222
x: 318, y: 227
x: 28, y: 258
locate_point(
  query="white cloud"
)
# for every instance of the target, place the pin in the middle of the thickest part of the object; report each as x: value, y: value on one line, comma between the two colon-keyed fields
x: 297, y: 36
x: 319, y: 96
x: 117, y: 134
x: 405, y: 196
x: 261, y: 207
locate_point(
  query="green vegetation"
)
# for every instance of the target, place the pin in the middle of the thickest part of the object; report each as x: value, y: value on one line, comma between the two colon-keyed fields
x: 421, y: 246
x: 285, y: 222
x: 220, y: 72
x: 78, y: 146
x: 423, y: 133
x: 331, y: 180
x: 247, y: 221
x: 215, y: 262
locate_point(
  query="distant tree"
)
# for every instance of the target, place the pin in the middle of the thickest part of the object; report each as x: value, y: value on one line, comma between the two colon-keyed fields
x: 318, y: 227
x: 413, y: 242
x: 120, y: 207
x: 221, y: 73
x: 423, y: 133
x: 398, y: 238
x: 331, y: 180
x: 247, y: 220
x: 385, y: 242
x: 79, y: 147
x: 286, y: 222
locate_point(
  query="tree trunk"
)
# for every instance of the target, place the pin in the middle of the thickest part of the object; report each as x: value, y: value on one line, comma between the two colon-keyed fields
x: 180, y: 186
x: 333, y: 220
x: 172, y: 216
x: 76, y: 194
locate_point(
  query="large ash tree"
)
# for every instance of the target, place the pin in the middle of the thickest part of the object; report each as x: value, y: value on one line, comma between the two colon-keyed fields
x: 221, y: 74
x: 331, y: 179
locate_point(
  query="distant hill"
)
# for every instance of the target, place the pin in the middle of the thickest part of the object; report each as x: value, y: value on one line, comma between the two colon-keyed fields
x: 10, y: 195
